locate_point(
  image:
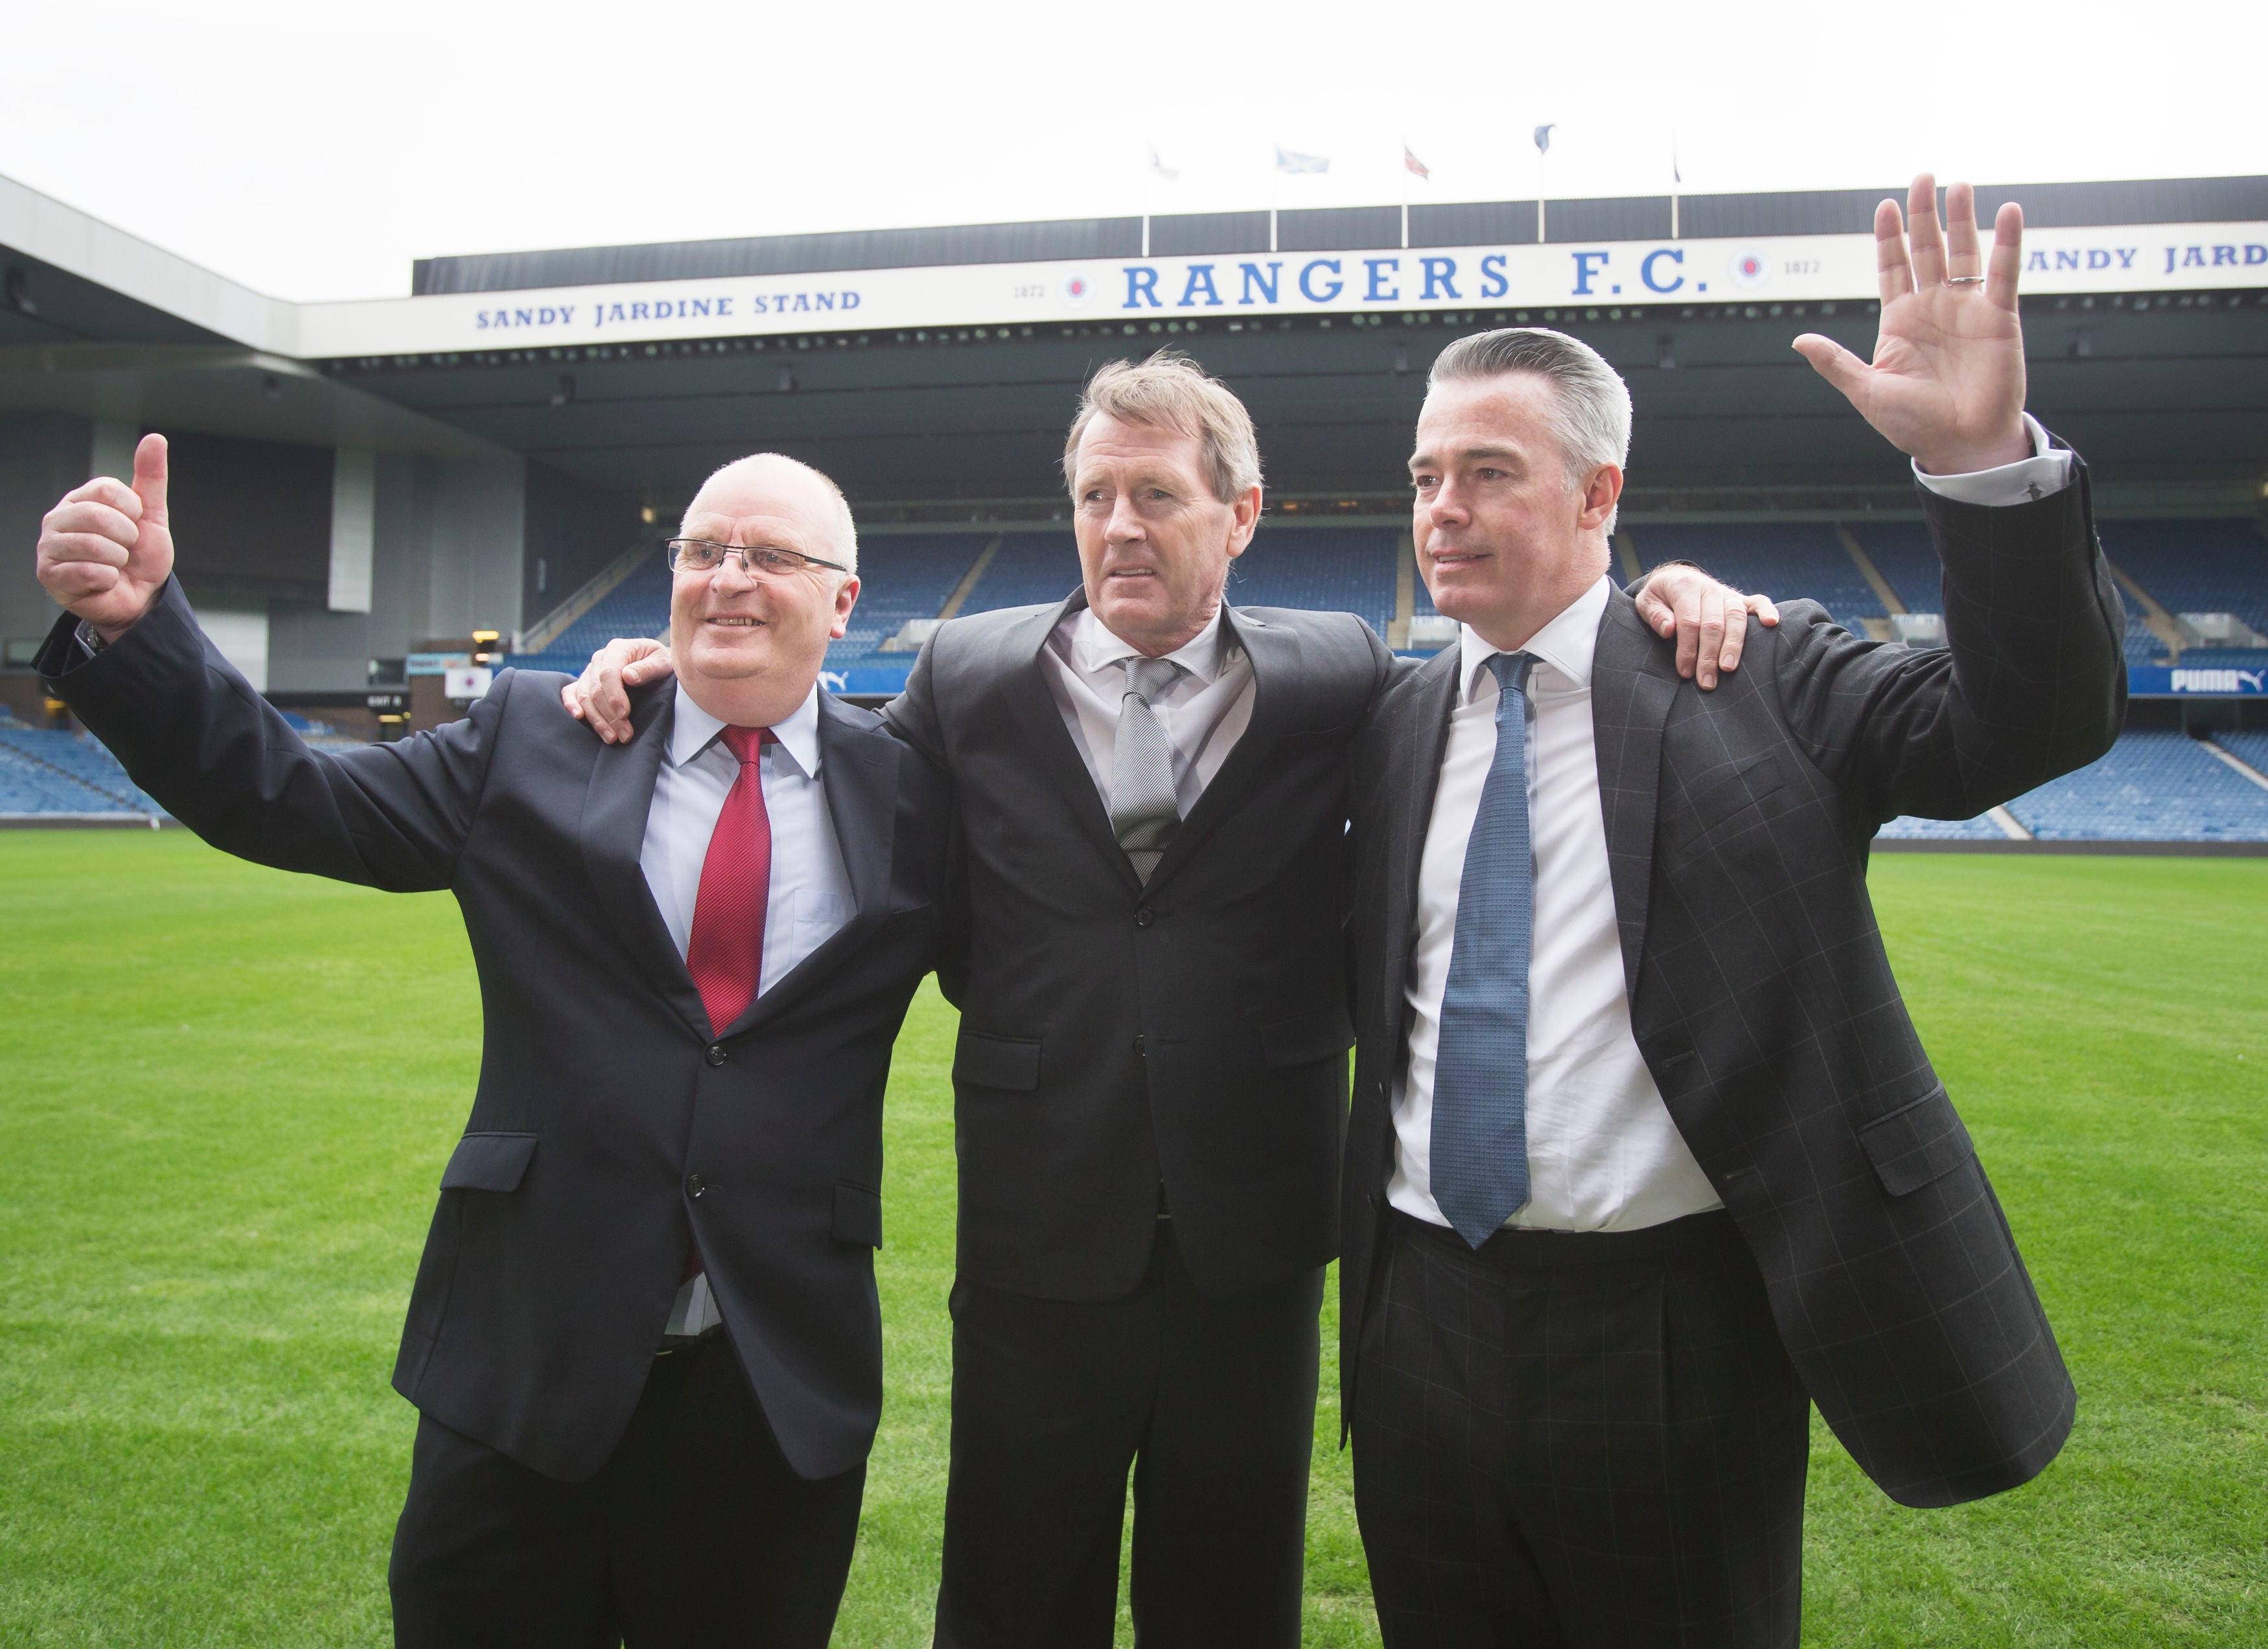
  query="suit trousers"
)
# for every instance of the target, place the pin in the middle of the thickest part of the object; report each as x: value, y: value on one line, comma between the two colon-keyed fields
x: 695, y: 1532
x: 1579, y: 1441
x: 1212, y: 1402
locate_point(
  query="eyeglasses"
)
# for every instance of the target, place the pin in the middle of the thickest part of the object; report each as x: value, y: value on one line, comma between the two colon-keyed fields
x: 699, y: 555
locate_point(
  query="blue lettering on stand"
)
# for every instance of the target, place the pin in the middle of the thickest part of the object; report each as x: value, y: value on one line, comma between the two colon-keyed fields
x: 1264, y: 284
x: 1200, y: 275
x: 1378, y: 292
x: 1584, y: 270
x: 1493, y: 283
x: 1440, y: 278
x: 1646, y: 269
x: 1141, y: 283
x: 1309, y: 292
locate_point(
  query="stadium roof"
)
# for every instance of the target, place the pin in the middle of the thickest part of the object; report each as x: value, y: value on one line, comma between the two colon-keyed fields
x: 932, y: 395
x: 1350, y: 228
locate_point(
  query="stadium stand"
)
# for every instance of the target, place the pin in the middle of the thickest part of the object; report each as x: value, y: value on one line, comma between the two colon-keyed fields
x: 1326, y: 569
x: 902, y: 577
x: 1029, y: 568
x: 2251, y: 748
x: 1783, y: 559
x: 1902, y: 552
x: 2152, y: 787
x: 47, y: 772
x: 639, y: 605
x: 2200, y: 566
x: 1907, y: 828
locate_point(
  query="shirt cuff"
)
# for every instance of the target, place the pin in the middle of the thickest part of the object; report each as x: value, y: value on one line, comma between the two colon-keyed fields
x: 2026, y: 481
x: 90, y: 642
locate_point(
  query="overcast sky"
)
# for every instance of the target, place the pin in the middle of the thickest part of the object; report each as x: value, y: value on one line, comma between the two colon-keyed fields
x: 312, y: 150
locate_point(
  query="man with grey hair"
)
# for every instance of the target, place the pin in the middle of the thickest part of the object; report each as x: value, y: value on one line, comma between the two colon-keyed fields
x: 1151, y: 1073
x: 1646, y: 1156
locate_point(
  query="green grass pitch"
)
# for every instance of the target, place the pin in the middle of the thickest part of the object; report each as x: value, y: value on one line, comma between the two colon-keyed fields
x: 225, y: 1097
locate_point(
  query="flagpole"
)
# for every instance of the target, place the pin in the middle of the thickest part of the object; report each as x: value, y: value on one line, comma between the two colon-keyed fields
x: 1405, y: 194
x: 1542, y: 148
x: 1676, y: 182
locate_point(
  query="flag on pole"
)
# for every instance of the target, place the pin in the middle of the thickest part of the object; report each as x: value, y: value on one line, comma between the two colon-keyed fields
x: 1412, y: 163
x: 1170, y: 173
x: 1291, y: 160
x: 1543, y: 138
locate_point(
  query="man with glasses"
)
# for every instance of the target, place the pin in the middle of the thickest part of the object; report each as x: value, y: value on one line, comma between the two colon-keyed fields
x: 644, y: 1340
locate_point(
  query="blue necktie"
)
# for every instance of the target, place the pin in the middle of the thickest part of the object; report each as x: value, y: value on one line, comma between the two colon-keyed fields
x: 1480, y: 1070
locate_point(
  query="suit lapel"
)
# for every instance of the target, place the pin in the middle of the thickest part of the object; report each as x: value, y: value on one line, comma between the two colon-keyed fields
x: 1632, y: 688
x: 612, y: 832
x: 859, y: 771
x: 1274, y: 650
x: 1418, y: 731
x: 1037, y: 711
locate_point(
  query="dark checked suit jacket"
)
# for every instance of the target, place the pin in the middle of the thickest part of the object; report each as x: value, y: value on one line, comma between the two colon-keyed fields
x: 605, y: 1094
x: 1113, y: 1035
x: 1738, y: 826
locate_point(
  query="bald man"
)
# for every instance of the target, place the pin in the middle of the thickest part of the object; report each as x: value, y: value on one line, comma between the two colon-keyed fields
x: 644, y: 1340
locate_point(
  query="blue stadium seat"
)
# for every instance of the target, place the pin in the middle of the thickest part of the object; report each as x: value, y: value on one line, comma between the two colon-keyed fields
x: 637, y: 606
x: 2194, y: 565
x: 2251, y: 748
x: 1902, y: 552
x: 2152, y: 787
x: 1908, y: 828
x: 1323, y: 569
x: 1031, y: 569
x: 1786, y: 560
x: 42, y: 772
x: 901, y: 576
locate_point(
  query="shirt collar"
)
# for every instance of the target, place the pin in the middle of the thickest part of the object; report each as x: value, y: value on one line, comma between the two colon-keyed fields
x: 695, y: 729
x: 1096, y: 650
x: 1566, y: 644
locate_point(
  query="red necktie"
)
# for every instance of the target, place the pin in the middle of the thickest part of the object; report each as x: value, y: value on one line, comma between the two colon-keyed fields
x: 725, y: 954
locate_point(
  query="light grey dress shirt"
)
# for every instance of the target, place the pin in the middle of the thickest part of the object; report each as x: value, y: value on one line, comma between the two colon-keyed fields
x: 810, y: 895
x: 1203, y: 713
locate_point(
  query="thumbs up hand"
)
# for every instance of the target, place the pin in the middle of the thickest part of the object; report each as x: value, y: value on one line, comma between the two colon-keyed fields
x: 107, y: 549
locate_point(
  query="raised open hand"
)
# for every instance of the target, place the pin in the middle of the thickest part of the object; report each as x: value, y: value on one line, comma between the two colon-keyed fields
x: 1947, y: 385
x: 107, y: 549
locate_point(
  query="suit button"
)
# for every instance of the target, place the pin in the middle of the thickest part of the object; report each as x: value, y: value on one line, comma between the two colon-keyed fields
x: 695, y: 1185
x: 716, y: 1054
x: 1141, y: 1045
x: 1143, y: 917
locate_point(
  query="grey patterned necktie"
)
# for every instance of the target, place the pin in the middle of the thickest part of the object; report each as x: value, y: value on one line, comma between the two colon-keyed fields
x: 1142, y: 812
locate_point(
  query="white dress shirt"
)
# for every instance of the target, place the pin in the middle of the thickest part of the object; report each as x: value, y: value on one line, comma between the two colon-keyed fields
x: 1602, y: 1152
x: 809, y: 899
x: 1203, y: 713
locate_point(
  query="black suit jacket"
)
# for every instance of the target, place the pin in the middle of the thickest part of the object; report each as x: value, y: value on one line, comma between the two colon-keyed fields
x: 560, y: 1237
x: 1738, y: 826
x: 1113, y: 1035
